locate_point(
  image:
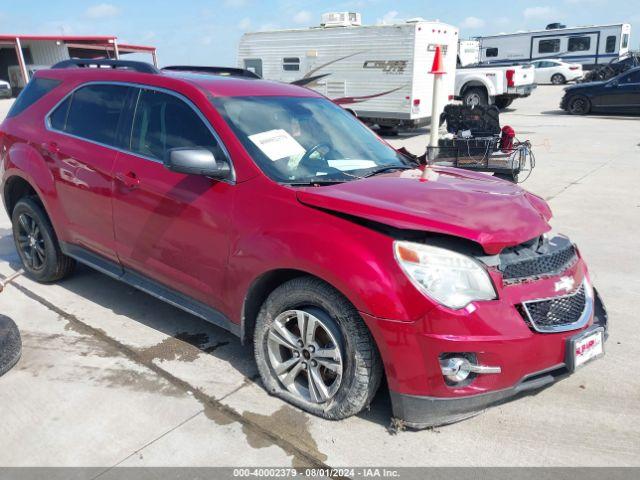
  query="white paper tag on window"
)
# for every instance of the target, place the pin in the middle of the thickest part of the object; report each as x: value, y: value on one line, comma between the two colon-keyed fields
x: 277, y: 144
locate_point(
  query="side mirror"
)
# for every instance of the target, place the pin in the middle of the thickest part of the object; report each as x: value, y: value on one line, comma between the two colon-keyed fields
x: 613, y: 83
x: 196, y: 161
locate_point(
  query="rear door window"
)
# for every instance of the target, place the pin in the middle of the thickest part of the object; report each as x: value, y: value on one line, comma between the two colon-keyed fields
x: 163, y: 121
x: 92, y: 112
x: 34, y: 91
x: 95, y: 111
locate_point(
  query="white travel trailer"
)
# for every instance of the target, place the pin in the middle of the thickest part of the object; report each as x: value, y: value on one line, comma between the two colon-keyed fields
x: 379, y: 72
x: 590, y: 45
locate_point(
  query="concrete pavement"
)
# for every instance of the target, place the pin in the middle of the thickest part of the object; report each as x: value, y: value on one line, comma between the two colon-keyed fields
x: 110, y: 376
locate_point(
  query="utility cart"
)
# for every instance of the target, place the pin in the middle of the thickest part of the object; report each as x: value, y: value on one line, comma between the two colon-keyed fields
x: 484, y: 155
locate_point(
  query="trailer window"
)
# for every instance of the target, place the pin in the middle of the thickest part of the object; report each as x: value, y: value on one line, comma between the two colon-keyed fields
x: 492, y: 52
x: 625, y: 40
x: 611, y: 44
x: 579, y: 44
x: 549, y: 46
x: 291, y: 64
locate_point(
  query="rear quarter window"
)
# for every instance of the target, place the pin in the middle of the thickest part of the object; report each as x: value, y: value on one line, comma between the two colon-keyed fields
x: 34, y: 91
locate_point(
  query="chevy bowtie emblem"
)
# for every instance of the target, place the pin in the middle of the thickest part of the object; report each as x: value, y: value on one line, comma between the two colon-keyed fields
x: 565, y: 283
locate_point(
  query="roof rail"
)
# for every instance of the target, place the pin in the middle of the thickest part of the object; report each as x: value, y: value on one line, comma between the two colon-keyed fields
x: 222, y: 71
x: 141, y: 67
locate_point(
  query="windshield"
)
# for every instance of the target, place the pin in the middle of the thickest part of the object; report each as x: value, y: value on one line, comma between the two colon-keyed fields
x: 302, y: 140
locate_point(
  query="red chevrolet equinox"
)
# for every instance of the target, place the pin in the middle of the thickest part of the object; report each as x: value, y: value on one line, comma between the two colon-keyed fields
x: 271, y: 212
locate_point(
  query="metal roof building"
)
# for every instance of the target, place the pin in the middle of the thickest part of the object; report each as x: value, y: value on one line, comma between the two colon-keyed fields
x: 21, y: 54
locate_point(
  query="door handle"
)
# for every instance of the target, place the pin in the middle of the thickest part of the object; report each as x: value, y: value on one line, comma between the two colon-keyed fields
x: 50, y: 147
x: 130, y: 179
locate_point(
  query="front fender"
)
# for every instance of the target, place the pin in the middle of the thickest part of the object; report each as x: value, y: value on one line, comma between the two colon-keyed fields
x: 280, y: 233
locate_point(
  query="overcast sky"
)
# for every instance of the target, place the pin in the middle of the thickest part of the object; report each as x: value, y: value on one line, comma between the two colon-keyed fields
x: 206, y: 31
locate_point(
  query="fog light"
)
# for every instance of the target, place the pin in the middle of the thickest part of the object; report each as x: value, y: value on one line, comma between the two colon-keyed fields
x: 457, y: 369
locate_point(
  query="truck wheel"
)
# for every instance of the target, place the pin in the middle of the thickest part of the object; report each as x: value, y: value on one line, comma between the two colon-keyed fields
x: 313, y: 349
x: 475, y: 96
x: 37, y: 244
x: 502, y: 102
x: 579, y: 105
x: 558, y: 79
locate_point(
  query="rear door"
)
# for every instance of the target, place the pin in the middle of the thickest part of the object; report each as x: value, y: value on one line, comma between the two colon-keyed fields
x: 80, y: 146
x: 170, y: 227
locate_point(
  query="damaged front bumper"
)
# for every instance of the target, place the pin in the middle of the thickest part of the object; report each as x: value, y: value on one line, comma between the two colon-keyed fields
x: 418, y: 411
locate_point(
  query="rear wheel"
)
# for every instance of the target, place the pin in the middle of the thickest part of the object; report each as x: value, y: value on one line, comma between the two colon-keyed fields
x: 475, y: 96
x: 579, y: 105
x: 313, y: 349
x: 37, y: 244
x: 558, y: 79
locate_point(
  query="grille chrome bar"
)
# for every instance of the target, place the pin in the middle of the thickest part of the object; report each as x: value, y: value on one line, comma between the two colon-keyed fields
x: 559, y: 326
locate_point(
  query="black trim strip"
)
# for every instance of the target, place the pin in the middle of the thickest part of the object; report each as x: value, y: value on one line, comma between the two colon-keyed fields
x: 149, y: 286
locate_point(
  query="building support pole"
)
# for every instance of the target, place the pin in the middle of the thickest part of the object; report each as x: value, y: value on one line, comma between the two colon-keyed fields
x: 154, y: 56
x: 21, y: 62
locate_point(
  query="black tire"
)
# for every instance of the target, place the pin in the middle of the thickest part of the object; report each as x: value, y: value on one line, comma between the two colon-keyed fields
x: 578, y: 105
x: 40, y: 253
x: 475, y: 96
x: 502, y: 102
x: 558, y: 79
x: 361, y: 364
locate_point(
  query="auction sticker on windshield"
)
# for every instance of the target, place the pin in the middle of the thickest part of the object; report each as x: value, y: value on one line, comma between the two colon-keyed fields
x: 277, y: 144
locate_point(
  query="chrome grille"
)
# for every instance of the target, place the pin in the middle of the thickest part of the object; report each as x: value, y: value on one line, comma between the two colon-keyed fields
x: 559, y: 314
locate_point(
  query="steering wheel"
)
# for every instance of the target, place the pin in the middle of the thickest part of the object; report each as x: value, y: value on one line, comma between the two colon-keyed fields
x: 316, y: 148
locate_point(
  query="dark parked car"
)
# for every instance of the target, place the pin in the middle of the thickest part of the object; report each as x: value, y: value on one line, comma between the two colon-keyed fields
x: 621, y: 94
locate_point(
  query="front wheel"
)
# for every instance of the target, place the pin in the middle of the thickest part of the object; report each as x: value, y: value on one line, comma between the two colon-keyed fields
x: 313, y: 349
x: 579, y: 105
x: 558, y: 79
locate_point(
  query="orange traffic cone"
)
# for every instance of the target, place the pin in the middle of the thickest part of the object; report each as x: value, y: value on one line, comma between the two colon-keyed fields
x: 438, y: 63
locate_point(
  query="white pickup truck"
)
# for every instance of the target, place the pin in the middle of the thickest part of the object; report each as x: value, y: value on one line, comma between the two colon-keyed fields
x: 492, y: 84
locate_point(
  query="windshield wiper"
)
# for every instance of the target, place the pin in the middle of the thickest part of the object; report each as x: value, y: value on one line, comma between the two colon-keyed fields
x: 314, y: 182
x: 386, y: 169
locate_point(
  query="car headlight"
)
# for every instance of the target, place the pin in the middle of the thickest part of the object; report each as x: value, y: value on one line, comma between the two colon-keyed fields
x: 451, y: 279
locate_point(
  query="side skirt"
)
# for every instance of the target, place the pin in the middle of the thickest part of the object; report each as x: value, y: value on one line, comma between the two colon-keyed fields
x: 151, y: 287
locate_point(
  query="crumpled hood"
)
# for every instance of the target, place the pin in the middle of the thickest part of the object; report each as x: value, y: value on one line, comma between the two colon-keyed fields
x: 492, y: 212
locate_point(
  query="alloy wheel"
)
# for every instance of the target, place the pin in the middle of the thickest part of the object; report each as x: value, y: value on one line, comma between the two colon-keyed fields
x: 305, y: 355
x: 473, y: 100
x: 31, y: 242
x: 578, y: 106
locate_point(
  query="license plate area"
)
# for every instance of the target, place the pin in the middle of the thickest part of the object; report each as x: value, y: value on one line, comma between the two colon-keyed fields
x: 585, y: 347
